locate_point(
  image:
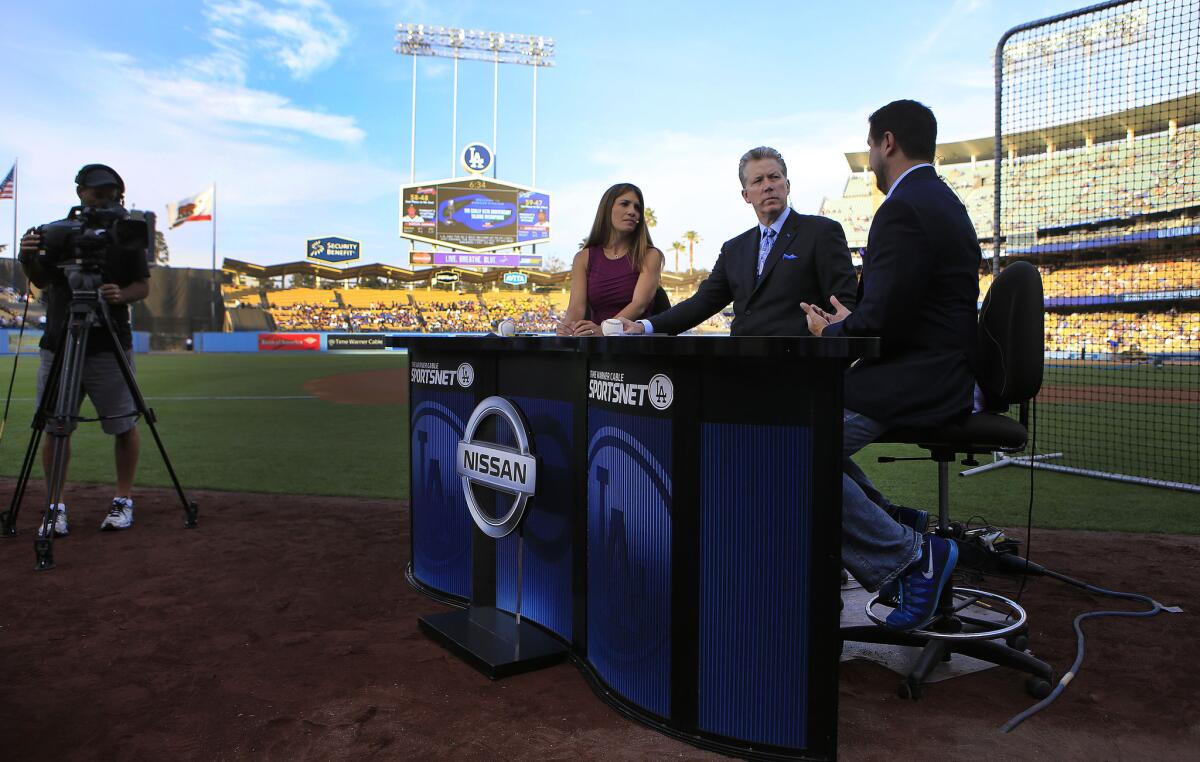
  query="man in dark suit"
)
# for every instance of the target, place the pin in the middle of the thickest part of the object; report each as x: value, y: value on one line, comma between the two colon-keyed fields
x: 786, y: 259
x: 918, y: 293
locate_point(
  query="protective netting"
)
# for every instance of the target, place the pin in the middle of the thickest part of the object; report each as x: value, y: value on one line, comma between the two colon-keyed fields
x: 1099, y: 186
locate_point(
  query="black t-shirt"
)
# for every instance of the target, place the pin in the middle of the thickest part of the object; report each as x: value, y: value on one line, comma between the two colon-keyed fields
x: 120, y: 267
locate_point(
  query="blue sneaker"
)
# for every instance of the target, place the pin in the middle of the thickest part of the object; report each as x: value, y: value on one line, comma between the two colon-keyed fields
x: 916, y: 520
x: 921, y: 587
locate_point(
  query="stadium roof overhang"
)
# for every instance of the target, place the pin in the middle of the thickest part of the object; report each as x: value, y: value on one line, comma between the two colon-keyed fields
x: 1143, y: 120
x: 401, y: 275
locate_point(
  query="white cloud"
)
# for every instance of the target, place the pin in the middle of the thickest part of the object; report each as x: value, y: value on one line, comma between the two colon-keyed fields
x: 197, y: 101
x: 304, y: 36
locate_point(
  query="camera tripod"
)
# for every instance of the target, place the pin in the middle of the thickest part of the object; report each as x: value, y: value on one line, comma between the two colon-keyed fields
x: 56, y: 413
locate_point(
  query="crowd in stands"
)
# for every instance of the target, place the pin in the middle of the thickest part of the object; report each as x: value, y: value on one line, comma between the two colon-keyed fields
x: 431, y: 311
x: 11, y: 306
x: 424, y: 312
x: 1123, y: 278
x: 531, y: 314
x: 309, y: 317
x: 466, y: 315
x: 1117, y: 333
x: 1115, y: 278
x: 1157, y: 172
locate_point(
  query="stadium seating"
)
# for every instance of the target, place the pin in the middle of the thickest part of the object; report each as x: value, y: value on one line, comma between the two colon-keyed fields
x: 1085, y: 334
x: 1065, y: 187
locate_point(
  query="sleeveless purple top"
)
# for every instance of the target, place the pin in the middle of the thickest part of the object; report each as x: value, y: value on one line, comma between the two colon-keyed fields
x: 610, y: 284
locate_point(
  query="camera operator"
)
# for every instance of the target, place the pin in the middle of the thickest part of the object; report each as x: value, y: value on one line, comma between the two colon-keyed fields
x: 124, y: 279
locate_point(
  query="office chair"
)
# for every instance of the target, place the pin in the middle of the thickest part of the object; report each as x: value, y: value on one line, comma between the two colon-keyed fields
x: 1009, y: 371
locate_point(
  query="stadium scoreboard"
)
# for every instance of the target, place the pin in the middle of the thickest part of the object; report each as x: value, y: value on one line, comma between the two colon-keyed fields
x: 474, y: 214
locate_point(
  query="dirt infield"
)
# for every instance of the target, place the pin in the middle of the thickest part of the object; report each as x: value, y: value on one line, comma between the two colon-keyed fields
x: 282, y: 628
x: 372, y: 387
x: 1127, y: 395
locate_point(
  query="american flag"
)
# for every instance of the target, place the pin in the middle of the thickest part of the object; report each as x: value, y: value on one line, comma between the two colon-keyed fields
x: 6, y: 187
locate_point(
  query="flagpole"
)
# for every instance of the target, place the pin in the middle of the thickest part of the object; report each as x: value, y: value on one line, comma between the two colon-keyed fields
x: 16, y: 174
x: 214, y: 259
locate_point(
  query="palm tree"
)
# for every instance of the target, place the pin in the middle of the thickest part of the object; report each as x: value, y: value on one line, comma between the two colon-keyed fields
x: 693, y: 238
x: 650, y: 217
x: 678, y: 247
x: 583, y: 243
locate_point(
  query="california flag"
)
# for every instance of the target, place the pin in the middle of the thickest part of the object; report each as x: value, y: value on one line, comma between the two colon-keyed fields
x: 198, y: 207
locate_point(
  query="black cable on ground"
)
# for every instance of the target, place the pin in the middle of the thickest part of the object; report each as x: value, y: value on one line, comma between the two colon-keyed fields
x: 1029, y: 512
x: 1036, y: 569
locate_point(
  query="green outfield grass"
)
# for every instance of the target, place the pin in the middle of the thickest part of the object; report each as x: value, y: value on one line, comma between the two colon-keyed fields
x: 270, y: 443
x: 274, y: 444
x: 1130, y: 418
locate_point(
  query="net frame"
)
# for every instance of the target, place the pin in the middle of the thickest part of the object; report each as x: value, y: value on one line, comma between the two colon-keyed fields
x: 1095, y: 178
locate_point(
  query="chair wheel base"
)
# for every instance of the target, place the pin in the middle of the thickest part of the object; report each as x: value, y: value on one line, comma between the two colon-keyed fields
x: 1038, y: 688
x: 909, y: 690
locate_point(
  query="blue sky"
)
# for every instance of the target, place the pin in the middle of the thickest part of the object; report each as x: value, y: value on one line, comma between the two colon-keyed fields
x: 299, y: 110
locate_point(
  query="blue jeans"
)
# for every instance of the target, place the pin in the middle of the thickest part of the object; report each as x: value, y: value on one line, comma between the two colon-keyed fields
x: 875, y: 548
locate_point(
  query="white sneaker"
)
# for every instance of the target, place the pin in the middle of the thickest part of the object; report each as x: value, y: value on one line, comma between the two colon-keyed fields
x: 60, y: 522
x: 120, y: 515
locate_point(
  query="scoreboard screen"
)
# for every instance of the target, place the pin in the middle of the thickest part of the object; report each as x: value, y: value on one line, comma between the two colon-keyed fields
x: 474, y: 214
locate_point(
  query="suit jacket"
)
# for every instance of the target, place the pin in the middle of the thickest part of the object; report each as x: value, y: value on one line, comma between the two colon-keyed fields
x: 919, y: 293
x: 808, y: 262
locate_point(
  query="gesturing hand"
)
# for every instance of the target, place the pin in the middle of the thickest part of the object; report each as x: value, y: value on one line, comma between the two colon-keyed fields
x: 819, y: 319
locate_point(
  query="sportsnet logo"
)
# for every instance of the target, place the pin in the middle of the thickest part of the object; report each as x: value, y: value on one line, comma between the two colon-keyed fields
x: 273, y: 342
x: 611, y: 387
x: 432, y: 374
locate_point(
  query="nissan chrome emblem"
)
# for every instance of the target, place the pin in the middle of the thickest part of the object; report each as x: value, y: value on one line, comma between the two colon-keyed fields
x: 509, y: 470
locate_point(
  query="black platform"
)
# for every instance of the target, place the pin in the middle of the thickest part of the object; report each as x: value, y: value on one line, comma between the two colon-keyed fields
x: 492, y: 642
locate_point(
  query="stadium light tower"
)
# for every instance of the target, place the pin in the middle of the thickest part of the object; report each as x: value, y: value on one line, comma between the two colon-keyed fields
x: 471, y: 44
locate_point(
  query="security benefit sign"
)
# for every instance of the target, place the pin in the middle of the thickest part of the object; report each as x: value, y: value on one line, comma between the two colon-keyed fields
x: 505, y: 474
x: 333, y: 250
x: 474, y: 214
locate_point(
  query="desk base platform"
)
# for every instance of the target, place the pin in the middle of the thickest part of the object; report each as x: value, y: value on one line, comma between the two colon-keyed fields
x: 492, y: 641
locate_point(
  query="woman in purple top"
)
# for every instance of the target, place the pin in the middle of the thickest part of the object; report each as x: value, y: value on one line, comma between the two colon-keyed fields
x: 617, y: 271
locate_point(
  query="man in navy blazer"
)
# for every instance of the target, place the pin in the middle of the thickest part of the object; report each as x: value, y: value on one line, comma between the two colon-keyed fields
x: 919, y: 293
x: 786, y: 259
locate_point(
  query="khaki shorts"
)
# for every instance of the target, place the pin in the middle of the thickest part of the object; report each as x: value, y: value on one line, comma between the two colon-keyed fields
x: 104, y: 386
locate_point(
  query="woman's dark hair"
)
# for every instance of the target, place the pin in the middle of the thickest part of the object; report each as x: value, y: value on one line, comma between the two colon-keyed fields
x: 602, y: 227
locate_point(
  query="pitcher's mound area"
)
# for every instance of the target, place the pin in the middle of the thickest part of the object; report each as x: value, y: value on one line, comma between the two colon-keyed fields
x: 282, y: 629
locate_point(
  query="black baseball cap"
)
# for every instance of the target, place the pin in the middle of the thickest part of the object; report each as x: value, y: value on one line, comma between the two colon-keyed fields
x: 97, y: 175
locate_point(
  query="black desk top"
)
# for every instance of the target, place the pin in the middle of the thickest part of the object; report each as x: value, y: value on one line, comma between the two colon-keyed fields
x: 661, y: 345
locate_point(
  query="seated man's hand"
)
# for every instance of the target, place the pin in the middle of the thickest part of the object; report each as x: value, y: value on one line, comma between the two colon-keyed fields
x: 819, y: 319
x: 632, y: 326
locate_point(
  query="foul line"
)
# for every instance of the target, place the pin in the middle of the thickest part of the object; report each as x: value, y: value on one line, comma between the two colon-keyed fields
x: 211, y: 399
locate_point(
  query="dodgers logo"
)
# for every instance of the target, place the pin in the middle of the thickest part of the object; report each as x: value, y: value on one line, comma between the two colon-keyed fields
x: 441, y: 531
x: 629, y: 493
